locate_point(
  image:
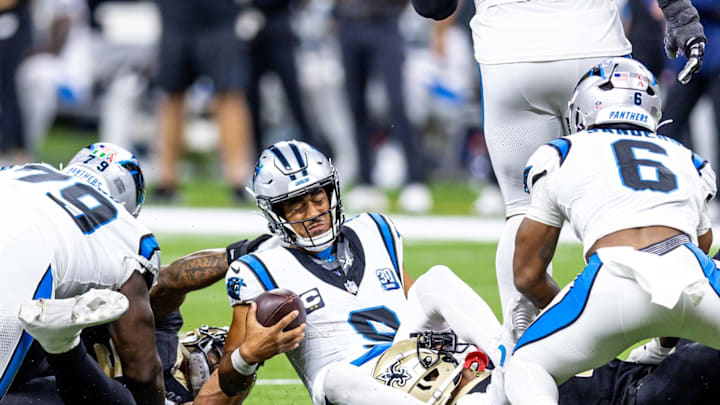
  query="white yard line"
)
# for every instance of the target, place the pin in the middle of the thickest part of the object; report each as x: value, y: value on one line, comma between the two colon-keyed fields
x: 280, y: 381
x: 229, y: 221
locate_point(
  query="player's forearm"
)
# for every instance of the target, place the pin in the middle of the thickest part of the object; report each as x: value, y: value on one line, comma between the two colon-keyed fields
x: 535, y: 245
x: 231, y: 382
x: 134, y: 338
x: 435, y: 9
x: 540, y: 291
x: 192, y: 272
x: 211, y: 394
x: 148, y: 392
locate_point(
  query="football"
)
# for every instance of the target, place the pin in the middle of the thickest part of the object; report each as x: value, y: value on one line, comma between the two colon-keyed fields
x: 273, y: 305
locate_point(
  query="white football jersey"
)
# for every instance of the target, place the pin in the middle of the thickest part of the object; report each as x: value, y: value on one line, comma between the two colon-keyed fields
x: 93, y: 241
x: 509, y: 31
x: 607, y: 180
x: 352, y: 317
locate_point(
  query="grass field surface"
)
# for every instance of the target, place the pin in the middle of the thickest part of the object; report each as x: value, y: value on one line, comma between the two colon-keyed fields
x: 473, y: 262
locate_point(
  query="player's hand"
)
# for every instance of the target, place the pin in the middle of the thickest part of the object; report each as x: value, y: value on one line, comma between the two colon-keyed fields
x: 651, y: 353
x: 684, y: 33
x: 262, y: 343
x: 694, y: 53
x: 522, y: 314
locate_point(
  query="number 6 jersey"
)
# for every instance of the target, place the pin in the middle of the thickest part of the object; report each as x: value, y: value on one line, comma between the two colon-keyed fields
x: 607, y: 180
x: 351, y: 317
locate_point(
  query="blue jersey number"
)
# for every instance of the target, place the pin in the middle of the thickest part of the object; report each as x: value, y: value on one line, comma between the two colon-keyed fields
x: 377, y: 324
x: 94, y: 209
x: 662, y: 180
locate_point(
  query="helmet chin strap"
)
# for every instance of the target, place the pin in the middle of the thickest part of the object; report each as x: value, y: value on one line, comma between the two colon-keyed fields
x: 316, y: 244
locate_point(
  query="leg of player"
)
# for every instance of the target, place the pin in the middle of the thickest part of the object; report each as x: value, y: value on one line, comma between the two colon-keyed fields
x: 345, y: 384
x: 439, y: 296
x: 605, y: 310
x: 56, y: 324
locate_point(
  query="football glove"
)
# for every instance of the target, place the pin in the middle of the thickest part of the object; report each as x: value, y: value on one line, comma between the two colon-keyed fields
x: 684, y: 33
x: 243, y: 247
x: 651, y: 353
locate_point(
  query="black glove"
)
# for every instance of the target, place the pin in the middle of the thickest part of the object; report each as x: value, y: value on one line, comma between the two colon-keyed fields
x: 243, y: 247
x: 684, y: 33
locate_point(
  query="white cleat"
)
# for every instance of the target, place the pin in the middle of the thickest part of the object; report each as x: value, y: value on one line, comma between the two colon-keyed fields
x: 56, y: 323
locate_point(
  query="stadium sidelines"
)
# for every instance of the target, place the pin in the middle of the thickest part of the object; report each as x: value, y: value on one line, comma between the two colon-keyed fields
x: 237, y: 221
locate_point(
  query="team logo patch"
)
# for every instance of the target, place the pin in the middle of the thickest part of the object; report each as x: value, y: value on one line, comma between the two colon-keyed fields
x: 312, y: 300
x: 233, y: 287
x: 351, y: 287
x: 387, y: 279
x: 395, y: 376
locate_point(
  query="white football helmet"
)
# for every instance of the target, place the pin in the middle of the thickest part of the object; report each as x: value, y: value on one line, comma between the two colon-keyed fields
x: 619, y: 90
x: 290, y: 169
x: 429, y: 374
x: 113, y: 170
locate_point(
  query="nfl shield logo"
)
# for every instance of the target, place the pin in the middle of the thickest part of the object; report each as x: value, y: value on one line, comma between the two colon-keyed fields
x: 351, y: 287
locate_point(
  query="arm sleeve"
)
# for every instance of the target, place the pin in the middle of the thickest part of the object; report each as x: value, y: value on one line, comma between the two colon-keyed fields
x: 241, y: 284
x: 538, y: 182
x: 708, y: 190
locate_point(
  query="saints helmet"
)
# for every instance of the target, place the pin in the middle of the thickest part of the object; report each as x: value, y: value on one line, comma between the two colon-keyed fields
x: 290, y: 169
x: 113, y: 170
x: 201, y: 351
x: 430, y: 374
x: 618, y: 90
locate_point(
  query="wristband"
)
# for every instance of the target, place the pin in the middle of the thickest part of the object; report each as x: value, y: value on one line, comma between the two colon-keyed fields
x: 240, y: 365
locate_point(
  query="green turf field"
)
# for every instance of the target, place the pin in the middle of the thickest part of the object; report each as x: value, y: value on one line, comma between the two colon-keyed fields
x: 473, y: 262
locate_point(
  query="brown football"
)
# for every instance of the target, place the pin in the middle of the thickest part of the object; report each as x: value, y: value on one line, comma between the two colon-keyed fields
x: 273, y: 305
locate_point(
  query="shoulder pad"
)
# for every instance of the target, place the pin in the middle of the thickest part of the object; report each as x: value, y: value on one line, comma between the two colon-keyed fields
x: 546, y: 159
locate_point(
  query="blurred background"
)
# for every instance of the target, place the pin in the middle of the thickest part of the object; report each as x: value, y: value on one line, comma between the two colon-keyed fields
x: 197, y: 87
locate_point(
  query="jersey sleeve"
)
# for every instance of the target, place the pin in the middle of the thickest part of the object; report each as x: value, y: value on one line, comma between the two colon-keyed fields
x: 536, y: 178
x: 708, y: 189
x: 392, y: 240
x: 149, y: 253
x: 241, y: 283
x: 399, y: 251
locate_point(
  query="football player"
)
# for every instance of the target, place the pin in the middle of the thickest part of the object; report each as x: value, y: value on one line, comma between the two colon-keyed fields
x: 527, y: 75
x: 349, y: 275
x: 70, y: 239
x: 638, y: 202
x: 428, y: 365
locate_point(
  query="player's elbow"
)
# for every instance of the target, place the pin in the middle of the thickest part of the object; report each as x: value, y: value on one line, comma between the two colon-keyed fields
x: 525, y: 279
x: 435, y: 9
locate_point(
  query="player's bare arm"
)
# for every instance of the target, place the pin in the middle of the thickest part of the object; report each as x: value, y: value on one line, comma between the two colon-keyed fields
x: 705, y: 241
x: 192, y: 272
x: 535, y: 246
x: 409, y: 281
x: 254, y: 344
x: 134, y: 338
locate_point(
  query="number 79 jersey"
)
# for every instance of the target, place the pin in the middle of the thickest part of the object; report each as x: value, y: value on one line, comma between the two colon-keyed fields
x: 606, y: 180
x: 89, y: 239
